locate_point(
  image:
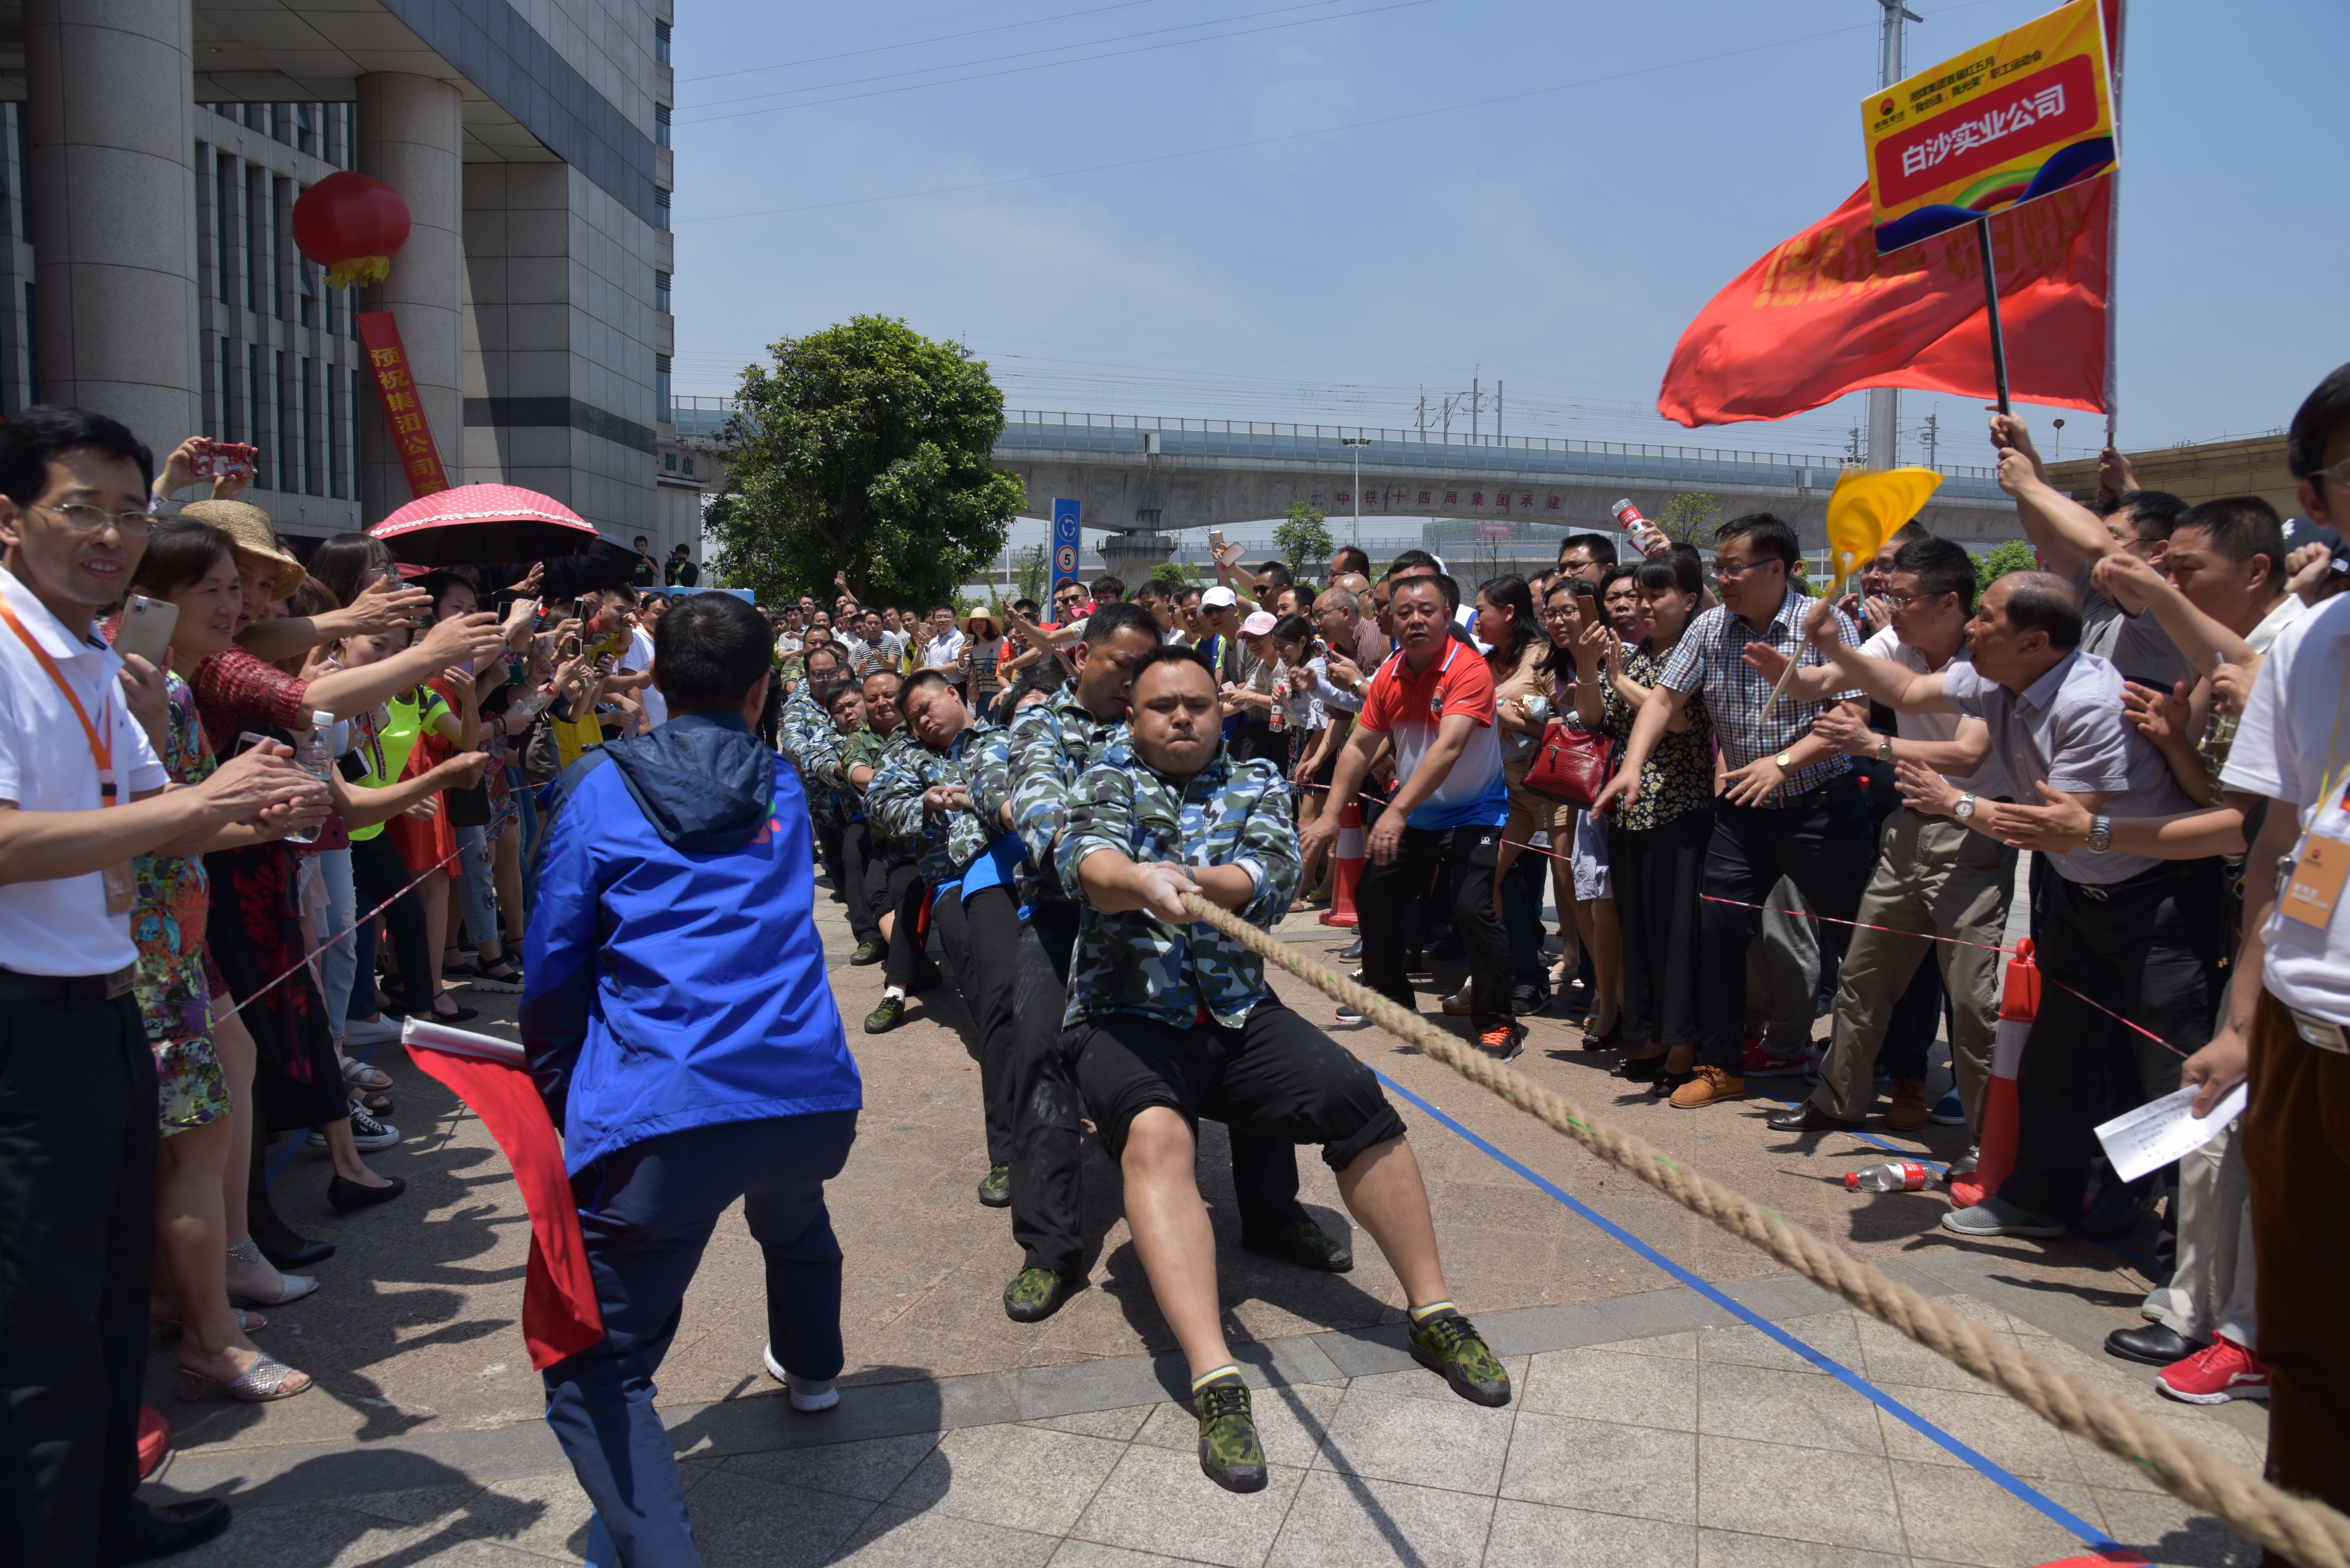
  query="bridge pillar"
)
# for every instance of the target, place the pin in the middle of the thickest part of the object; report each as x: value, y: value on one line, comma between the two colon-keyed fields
x: 1130, y: 556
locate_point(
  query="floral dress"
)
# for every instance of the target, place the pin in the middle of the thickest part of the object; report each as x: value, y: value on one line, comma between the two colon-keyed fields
x: 171, y: 980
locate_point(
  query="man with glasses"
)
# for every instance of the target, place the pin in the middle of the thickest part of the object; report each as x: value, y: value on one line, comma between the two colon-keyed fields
x: 1585, y: 556
x: 1938, y: 873
x: 1788, y: 806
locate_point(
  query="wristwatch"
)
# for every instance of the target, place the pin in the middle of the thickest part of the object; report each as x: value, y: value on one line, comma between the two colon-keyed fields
x: 1965, y: 808
x: 2101, y: 834
x: 1783, y: 761
x: 1885, y: 750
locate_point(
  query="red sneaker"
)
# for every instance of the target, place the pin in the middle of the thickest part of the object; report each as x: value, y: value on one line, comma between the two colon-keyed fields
x: 2220, y: 1371
x: 1760, y: 1063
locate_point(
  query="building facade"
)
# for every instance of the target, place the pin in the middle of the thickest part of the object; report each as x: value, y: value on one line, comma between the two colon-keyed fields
x: 154, y: 150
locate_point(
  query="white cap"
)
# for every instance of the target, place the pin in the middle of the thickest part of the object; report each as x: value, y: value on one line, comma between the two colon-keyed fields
x: 1218, y: 597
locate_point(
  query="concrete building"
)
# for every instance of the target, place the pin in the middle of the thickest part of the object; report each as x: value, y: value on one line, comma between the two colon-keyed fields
x: 2204, y: 471
x: 154, y: 150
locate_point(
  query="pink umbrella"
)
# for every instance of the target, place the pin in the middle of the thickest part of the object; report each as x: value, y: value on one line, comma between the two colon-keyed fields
x: 474, y: 523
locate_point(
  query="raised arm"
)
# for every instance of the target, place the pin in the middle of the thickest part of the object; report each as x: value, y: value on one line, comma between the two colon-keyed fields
x: 2066, y: 534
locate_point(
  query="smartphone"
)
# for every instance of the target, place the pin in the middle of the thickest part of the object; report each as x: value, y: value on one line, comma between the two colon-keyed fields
x: 579, y: 611
x: 218, y: 459
x: 1216, y: 538
x: 146, y: 627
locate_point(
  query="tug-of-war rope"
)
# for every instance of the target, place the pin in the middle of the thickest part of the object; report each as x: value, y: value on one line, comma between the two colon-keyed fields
x: 2309, y: 1533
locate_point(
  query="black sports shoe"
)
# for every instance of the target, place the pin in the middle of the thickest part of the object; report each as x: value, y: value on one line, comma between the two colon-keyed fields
x: 1230, y: 1454
x: 1035, y: 1295
x: 885, y: 1014
x: 996, y: 1188
x: 1305, y: 1243
x: 868, y: 952
x: 1445, y: 1343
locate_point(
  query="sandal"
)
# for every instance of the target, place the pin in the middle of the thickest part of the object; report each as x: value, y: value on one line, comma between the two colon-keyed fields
x: 500, y: 976
x: 358, y: 1072
x: 266, y: 1379
x: 290, y: 1287
x: 462, y: 1014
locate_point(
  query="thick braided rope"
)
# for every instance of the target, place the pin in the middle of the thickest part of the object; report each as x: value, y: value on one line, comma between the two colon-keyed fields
x: 2312, y: 1534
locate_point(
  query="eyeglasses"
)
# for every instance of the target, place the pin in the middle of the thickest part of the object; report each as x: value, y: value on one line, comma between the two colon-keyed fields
x: 86, y: 519
x: 1728, y: 571
x: 1903, y: 601
x: 2339, y: 474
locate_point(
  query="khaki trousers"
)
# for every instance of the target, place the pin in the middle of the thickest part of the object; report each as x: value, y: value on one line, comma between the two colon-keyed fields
x: 2212, y: 1288
x: 1936, y: 876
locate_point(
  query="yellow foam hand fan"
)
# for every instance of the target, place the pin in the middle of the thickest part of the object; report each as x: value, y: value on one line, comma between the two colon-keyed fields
x: 1868, y: 504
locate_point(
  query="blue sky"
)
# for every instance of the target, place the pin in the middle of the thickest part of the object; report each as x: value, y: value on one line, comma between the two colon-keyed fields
x: 1554, y: 191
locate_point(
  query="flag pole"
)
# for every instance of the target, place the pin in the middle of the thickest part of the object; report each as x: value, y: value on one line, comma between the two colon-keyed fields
x: 2113, y: 224
x: 1991, y: 304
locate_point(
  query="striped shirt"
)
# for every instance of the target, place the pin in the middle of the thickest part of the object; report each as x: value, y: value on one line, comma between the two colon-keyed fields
x: 1707, y: 657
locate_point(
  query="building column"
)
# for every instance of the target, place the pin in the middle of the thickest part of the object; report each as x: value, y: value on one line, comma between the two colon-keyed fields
x: 411, y: 138
x: 111, y: 125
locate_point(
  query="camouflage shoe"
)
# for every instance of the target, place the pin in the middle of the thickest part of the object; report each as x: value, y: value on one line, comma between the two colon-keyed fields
x: 1445, y: 1343
x: 996, y: 1191
x: 1230, y: 1454
x: 1035, y: 1295
x: 868, y: 952
x: 1305, y: 1244
x: 885, y: 1015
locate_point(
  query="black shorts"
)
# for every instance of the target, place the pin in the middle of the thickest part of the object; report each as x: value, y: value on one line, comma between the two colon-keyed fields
x: 1276, y: 1074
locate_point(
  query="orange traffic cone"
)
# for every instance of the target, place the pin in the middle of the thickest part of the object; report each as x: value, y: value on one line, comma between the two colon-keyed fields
x: 2018, y: 1005
x: 1341, y: 911
x: 154, y: 1438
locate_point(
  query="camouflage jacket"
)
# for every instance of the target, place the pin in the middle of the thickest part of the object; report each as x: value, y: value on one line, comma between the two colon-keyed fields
x: 1052, y: 743
x: 893, y: 802
x: 803, y: 717
x: 861, y: 747
x: 1228, y: 813
x: 828, y: 794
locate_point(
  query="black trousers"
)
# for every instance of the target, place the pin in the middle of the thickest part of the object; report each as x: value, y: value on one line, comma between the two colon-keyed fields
x: 1047, y: 1190
x: 377, y: 873
x: 1826, y: 849
x: 1276, y: 1076
x: 982, y: 938
x: 76, y: 1252
x: 1656, y: 873
x: 903, y: 891
x: 1382, y: 896
x: 2149, y: 950
x: 855, y: 880
x: 829, y: 846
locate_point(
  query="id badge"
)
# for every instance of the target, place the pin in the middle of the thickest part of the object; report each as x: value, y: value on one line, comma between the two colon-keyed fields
x: 121, y: 887
x: 2314, y: 886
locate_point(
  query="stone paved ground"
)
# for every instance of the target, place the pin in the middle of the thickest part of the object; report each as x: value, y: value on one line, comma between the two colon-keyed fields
x: 1651, y: 1426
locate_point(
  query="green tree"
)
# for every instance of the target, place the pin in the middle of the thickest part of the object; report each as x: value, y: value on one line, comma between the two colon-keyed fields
x: 864, y: 450
x: 1691, y: 518
x: 1995, y: 562
x: 1029, y: 571
x: 1175, y: 574
x: 1303, y: 540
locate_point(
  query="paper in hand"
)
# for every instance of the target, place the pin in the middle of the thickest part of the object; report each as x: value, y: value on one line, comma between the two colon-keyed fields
x: 2160, y: 1131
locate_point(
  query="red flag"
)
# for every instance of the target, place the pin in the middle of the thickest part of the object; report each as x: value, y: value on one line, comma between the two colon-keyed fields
x: 560, y: 1314
x: 1822, y: 315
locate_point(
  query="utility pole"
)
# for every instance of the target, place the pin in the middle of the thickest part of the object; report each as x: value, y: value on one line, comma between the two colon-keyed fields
x: 1423, y: 414
x: 1931, y: 432
x: 1497, y: 409
x: 1476, y: 400
x: 1357, y: 442
x: 1884, y: 402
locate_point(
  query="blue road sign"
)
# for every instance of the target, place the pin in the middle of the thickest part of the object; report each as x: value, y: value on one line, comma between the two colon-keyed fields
x: 1066, y: 544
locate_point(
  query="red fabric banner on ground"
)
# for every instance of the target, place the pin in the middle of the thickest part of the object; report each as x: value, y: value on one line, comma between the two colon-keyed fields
x: 1822, y: 315
x: 559, y: 1314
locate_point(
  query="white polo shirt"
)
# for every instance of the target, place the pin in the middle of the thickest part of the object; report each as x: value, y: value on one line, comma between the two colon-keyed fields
x: 60, y: 926
x: 639, y: 656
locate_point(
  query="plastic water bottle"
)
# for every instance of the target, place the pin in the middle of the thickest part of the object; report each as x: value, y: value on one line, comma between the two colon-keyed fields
x: 1278, y: 719
x: 1895, y: 1176
x: 314, y: 751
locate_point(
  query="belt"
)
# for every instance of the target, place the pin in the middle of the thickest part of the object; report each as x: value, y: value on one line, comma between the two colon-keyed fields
x: 2321, y: 1033
x: 2144, y: 881
x: 14, y: 987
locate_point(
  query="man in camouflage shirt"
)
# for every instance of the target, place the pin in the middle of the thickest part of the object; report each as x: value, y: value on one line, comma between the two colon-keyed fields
x: 1170, y: 1021
x: 1051, y: 745
x: 802, y: 718
x: 839, y: 811
x: 881, y: 869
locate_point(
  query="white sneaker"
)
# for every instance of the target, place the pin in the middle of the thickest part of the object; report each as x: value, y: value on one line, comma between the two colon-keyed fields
x: 377, y: 1031
x: 808, y: 1395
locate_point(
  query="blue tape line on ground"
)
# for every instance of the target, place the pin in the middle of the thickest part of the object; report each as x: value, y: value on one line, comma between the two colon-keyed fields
x: 2023, y: 1491
x: 2131, y: 1255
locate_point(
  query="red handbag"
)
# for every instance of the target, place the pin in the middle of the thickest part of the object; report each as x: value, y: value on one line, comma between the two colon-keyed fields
x: 1570, y: 764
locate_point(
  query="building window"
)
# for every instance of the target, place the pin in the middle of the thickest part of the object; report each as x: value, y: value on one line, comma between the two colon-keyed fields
x: 661, y: 42
x: 661, y: 292
x: 660, y: 124
x: 265, y: 449
x: 315, y: 433
x: 660, y: 210
x: 661, y: 409
x: 224, y: 262
x: 257, y: 236
x: 289, y: 427
x: 338, y: 425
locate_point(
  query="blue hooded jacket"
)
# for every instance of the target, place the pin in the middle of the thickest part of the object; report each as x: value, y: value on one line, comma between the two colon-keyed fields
x: 675, y: 977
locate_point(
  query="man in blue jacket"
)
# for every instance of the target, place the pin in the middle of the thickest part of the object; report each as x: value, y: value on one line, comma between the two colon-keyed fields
x: 679, y: 1024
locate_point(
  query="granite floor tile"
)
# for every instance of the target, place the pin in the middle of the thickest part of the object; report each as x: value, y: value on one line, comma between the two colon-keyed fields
x: 2171, y: 1532
x: 1022, y: 1477
x: 1341, y: 1520
x: 1118, y: 1426
x: 1805, y: 1494
x: 1604, y: 1468
x: 1681, y: 1345
x: 1156, y: 1500
x: 1291, y: 1423
x: 1792, y: 1407
x: 1832, y: 1334
x: 1964, y: 1516
x: 896, y: 1538
x: 1730, y: 1549
x: 1597, y: 1384
x: 1991, y: 1423
x: 871, y: 1469
x: 1888, y: 1357
x: 1075, y: 1553
x: 738, y: 1520
x: 305, y: 1537
x: 1388, y: 1429
x: 1532, y: 1535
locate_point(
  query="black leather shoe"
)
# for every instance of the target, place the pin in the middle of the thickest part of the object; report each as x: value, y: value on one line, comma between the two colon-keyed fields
x: 1639, y: 1069
x: 1809, y: 1117
x: 300, y: 1258
x: 1352, y: 949
x: 2156, y: 1343
x: 163, y: 1528
x: 346, y: 1196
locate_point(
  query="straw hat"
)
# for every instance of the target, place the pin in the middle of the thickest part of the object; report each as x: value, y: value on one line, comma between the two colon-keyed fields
x: 249, y: 528
x: 971, y: 624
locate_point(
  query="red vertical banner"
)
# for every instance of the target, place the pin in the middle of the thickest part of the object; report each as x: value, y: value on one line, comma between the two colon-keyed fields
x: 388, y: 357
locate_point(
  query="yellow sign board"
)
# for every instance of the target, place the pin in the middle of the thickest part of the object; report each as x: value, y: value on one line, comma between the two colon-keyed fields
x: 2028, y: 113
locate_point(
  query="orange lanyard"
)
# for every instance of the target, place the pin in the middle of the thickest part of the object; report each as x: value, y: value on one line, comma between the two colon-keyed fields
x: 101, y: 752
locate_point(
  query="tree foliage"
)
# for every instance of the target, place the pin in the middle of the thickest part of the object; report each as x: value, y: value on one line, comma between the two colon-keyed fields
x: 1304, y: 541
x: 1175, y: 574
x: 1031, y: 569
x: 2014, y: 555
x: 1691, y: 518
x: 864, y: 449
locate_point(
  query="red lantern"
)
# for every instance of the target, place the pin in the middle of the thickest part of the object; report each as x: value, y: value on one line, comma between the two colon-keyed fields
x: 350, y: 224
